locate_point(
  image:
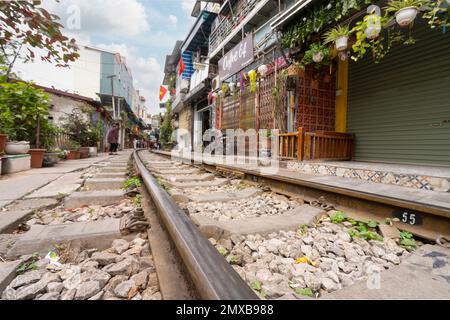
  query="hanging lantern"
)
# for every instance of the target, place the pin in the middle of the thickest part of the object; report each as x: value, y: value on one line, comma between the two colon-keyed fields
x: 262, y: 70
x: 220, y: 93
x: 232, y: 86
x: 214, y: 95
x: 252, y: 75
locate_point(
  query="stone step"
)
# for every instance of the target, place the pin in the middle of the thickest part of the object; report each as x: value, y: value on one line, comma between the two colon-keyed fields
x: 104, y: 184
x: 106, y: 175
x: 422, y: 275
x: 88, y: 198
x: 9, y: 220
x: 202, y: 184
x: 33, y: 204
x: 189, y: 178
x: 41, y: 239
x: 226, y: 196
x: 113, y: 170
x: 64, y: 185
x: 290, y: 221
x: 7, y: 273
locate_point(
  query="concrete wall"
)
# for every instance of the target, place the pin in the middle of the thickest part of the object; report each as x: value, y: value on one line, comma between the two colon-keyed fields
x: 63, y: 106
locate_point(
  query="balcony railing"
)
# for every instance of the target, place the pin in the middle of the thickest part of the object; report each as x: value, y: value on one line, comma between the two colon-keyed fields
x: 224, y: 28
x: 319, y: 145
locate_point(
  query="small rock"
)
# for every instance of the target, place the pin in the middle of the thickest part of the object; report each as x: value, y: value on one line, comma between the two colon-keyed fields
x: 98, y: 296
x: 263, y: 275
x: 31, y: 291
x: 126, y: 267
x: 104, y: 258
x: 87, y: 290
x: 55, y: 287
x: 100, y: 276
x: 273, y: 245
x: 392, y: 258
x: 312, y: 282
x: 137, y: 297
x: 114, y: 282
x: 69, y: 271
x: 152, y: 280
x: 138, y: 242
x: 389, y: 232
x: 377, y: 251
x: 344, y: 236
x: 140, y: 279
x: 123, y: 289
x: 120, y: 246
x: 88, y: 265
x: 329, y: 285
x: 69, y: 294
x: 50, y: 296
x: 26, y: 278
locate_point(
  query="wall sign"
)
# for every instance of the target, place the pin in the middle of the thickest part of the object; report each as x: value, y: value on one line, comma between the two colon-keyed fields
x: 237, y: 58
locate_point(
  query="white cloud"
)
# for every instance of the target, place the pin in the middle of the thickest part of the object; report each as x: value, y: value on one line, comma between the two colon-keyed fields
x: 187, y: 5
x: 111, y: 17
x: 173, y: 19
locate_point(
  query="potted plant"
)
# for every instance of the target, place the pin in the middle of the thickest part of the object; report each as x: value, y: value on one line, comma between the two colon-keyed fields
x: 339, y: 36
x: 373, y: 26
x: 51, y: 157
x: 405, y: 10
x: 17, y: 147
x: 73, y: 153
x: 318, y: 54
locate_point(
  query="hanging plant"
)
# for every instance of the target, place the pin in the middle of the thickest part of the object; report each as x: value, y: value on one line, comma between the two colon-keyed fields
x: 405, y: 10
x: 225, y: 88
x: 438, y: 14
x: 318, y: 54
x: 262, y: 70
x: 373, y: 26
x: 339, y: 36
x: 252, y: 75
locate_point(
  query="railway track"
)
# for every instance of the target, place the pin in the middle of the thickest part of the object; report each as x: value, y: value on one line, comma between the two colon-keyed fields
x: 277, y: 244
x: 202, y: 232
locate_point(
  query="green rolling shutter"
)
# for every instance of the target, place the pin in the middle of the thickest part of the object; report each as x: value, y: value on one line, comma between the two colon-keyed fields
x: 399, y: 109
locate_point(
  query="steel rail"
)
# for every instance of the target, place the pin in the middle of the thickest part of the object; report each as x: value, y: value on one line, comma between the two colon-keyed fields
x: 213, y: 277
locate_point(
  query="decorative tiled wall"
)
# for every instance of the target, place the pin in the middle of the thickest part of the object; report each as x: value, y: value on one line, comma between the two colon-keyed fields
x: 404, y: 180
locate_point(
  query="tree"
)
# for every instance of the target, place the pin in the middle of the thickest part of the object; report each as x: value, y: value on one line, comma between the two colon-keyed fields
x: 166, y: 127
x: 25, y: 27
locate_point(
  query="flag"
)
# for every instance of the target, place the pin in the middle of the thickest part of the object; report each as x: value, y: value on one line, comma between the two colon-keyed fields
x: 181, y: 70
x: 163, y: 94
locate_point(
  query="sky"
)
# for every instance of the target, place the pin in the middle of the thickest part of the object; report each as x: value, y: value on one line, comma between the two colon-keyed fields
x: 144, y: 31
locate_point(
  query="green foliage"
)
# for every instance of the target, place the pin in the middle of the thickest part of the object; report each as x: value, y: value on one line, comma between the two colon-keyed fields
x: 307, y: 292
x: 26, y: 26
x: 80, y: 129
x: 407, y: 241
x: 333, y: 34
x: 338, y: 217
x: 133, y: 182
x: 256, y: 285
x: 166, y: 127
x: 315, y: 49
x: 222, y: 251
x: 137, y: 201
x: 28, y: 265
x: 438, y: 14
x: 22, y: 107
x: 316, y: 19
x: 396, y: 5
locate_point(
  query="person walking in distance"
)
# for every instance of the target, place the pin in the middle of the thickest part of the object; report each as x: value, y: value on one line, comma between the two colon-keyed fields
x: 113, y: 139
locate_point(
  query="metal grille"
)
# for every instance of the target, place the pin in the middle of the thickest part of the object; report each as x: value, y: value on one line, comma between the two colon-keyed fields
x: 247, y: 118
x: 266, y: 102
x: 230, y: 112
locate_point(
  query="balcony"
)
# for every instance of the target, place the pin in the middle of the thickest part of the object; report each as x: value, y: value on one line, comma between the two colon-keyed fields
x: 229, y: 24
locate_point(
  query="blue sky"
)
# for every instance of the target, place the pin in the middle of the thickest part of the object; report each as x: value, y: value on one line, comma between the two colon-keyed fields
x: 144, y: 31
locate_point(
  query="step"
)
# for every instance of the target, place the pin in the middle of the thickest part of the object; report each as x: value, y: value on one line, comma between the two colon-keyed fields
x: 94, y: 184
x: 99, y: 198
x: 118, y: 165
x: 9, y: 220
x: 113, y: 170
x: 176, y: 171
x: 290, y: 221
x: 190, y: 178
x: 226, y: 196
x: 201, y: 184
x: 33, y: 204
x: 66, y: 184
x: 422, y: 275
x: 106, y: 175
x: 42, y: 239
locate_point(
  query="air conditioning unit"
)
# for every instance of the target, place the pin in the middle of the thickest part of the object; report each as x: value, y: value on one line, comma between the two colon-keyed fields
x: 215, y: 84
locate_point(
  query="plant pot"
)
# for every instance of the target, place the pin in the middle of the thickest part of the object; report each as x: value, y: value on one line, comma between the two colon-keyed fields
x: 50, y: 159
x: 341, y: 43
x: 93, y: 151
x: 3, y: 138
x: 37, y: 157
x: 73, y: 155
x: 406, y: 15
x: 14, y: 147
x: 318, y: 57
x: 84, y: 152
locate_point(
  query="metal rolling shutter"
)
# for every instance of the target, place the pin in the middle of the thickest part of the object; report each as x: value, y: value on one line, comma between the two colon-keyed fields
x: 399, y: 109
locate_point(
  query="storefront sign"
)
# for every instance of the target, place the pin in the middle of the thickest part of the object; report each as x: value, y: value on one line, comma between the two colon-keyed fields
x: 236, y: 59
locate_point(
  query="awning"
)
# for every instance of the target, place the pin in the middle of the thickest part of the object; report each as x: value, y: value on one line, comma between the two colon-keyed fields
x: 198, y: 37
x: 290, y: 13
